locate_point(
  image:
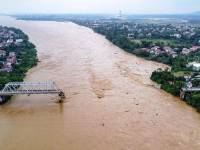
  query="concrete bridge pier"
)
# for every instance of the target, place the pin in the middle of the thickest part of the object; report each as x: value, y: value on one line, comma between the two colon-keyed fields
x: 2, y: 99
x: 62, y: 96
x: 188, y: 90
x: 182, y: 95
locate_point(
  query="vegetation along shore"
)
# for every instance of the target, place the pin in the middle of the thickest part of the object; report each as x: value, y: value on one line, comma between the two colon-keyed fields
x: 17, y: 56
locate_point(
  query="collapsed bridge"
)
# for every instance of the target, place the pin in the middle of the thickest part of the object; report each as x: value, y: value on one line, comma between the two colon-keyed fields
x: 14, y: 88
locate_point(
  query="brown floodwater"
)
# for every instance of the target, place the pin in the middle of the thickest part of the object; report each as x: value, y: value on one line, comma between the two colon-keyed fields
x: 109, y: 105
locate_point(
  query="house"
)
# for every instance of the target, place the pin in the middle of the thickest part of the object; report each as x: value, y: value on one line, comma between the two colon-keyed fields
x: 177, y: 36
x: 187, y: 77
x: 7, y: 35
x: 7, y: 63
x: 125, y: 27
x: 12, y: 54
x: 185, y: 51
x: 174, y: 55
x: 2, y: 53
x: 10, y: 41
x: 6, y: 69
x: 194, y: 48
x: 195, y: 66
x: 1, y: 44
x: 149, y: 34
x: 197, y: 77
x: 130, y: 36
x: 170, y: 52
x: 189, y: 85
x: 19, y: 40
x: 11, y: 60
x: 155, y: 48
x: 158, y: 51
x: 167, y: 49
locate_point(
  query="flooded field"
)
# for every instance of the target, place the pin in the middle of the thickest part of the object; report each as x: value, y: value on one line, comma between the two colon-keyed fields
x: 108, y: 106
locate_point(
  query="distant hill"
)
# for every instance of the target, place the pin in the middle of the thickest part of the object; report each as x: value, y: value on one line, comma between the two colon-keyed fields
x: 195, y: 13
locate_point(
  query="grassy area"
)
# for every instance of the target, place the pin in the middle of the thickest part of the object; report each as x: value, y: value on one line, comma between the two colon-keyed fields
x: 137, y: 41
x: 181, y: 73
x: 166, y: 42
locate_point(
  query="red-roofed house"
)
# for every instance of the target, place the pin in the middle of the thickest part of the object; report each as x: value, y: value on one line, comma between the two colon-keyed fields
x: 12, y: 54
x: 1, y: 45
x: 6, y: 69
x: 194, y: 48
x: 157, y: 52
x: 11, y: 60
x: 174, y: 55
x: 7, y: 35
x: 167, y: 49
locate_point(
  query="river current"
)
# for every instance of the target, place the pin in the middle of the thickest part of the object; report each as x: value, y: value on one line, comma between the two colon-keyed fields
x: 108, y: 105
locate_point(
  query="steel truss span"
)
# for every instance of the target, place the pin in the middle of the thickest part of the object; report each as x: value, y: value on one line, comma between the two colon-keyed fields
x: 14, y: 88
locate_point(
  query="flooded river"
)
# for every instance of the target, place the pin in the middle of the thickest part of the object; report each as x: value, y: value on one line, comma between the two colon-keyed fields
x: 108, y: 104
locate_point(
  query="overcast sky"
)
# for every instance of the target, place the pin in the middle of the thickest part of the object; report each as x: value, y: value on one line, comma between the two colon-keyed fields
x: 99, y: 6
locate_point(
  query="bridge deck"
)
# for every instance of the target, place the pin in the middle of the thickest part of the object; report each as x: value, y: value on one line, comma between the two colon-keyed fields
x: 13, y: 88
x: 194, y: 89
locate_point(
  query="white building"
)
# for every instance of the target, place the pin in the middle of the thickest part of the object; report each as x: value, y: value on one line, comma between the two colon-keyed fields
x: 19, y: 40
x: 195, y: 66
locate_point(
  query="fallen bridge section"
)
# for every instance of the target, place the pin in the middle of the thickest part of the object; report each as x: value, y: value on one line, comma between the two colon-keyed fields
x: 28, y: 88
x: 188, y: 90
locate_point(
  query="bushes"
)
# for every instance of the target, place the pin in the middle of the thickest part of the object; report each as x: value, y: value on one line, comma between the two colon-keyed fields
x: 169, y: 82
x: 193, y: 100
x: 172, y: 85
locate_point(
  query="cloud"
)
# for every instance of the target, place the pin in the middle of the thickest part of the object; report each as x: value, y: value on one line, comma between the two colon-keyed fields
x: 98, y: 6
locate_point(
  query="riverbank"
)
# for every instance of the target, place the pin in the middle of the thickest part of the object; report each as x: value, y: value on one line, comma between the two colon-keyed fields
x: 17, y: 56
x: 130, y: 114
x: 156, y: 42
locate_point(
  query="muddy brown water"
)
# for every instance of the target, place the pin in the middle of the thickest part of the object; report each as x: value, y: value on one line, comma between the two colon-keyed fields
x: 108, y: 104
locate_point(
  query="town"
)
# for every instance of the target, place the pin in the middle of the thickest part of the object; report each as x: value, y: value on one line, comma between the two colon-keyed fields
x: 17, y: 55
x: 8, y: 38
